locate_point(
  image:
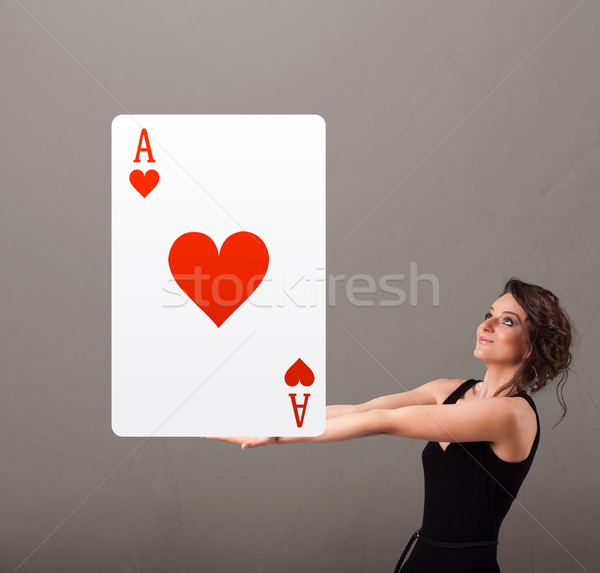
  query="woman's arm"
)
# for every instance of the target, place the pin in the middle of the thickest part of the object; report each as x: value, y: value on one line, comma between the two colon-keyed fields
x: 424, y: 394
x: 486, y: 420
x: 345, y: 427
x: 338, y: 429
x: 489, y: 420
x: 336, y: 410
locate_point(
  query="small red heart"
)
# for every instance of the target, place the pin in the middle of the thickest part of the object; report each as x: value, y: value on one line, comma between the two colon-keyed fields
x: 299, y: 372
x: 218, y: 283
x: 144, y: 183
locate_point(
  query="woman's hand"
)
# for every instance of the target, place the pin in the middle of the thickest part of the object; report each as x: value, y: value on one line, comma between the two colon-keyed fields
x: 246, y: 441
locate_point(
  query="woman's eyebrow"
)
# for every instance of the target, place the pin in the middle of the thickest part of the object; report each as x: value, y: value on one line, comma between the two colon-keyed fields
x: 509, y: 312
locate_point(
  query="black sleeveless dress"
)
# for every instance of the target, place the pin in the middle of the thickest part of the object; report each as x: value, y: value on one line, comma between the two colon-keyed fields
x: 464, y: 504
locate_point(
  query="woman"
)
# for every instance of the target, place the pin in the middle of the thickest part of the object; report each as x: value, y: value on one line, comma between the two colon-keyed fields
x: 481, y: 442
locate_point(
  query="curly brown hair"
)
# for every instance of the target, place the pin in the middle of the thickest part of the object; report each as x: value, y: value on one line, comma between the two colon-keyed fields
x: 548, y: 333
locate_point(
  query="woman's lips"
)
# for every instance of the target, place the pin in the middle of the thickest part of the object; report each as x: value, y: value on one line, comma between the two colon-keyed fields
x: 484, y: 340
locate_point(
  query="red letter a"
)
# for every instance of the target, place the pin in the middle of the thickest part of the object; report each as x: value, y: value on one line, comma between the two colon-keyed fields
x: 147, y: 149
x: 302, y: 407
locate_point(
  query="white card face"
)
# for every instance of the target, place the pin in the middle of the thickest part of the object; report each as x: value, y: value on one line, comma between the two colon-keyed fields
x: 218, y: 275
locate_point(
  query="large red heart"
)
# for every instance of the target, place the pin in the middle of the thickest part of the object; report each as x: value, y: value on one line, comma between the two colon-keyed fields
x: 144, y: 183
x: 218, y: 283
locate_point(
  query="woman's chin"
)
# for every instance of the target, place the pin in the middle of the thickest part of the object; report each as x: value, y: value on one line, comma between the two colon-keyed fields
x: 479, y: 354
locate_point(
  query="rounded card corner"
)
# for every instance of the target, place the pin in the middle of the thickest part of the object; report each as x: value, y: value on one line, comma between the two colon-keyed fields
x: 321, y: 118
x: 116, y: 431
x: 115, y: 119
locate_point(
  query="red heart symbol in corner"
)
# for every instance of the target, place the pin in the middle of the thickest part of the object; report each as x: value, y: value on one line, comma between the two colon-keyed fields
x: 144, y: 183
x: 218, y: 283
x: 299, y: 372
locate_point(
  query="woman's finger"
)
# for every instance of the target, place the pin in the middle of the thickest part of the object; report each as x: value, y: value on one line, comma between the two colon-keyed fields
x: 230, y: 439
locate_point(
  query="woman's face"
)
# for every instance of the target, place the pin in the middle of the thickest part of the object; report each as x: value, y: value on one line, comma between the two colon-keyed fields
x: 504, y: 328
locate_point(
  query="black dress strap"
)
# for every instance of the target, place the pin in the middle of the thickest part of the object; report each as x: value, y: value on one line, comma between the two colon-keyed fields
x: 466, y: 385
x: 406, y: 550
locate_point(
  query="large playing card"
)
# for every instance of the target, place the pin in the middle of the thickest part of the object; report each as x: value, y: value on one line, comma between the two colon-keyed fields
x: 218, y: 275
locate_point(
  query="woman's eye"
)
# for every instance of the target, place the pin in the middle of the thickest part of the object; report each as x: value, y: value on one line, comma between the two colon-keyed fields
x: 487, y: 315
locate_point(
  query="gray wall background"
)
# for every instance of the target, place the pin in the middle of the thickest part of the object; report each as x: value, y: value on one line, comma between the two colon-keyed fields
x: 478, y: 126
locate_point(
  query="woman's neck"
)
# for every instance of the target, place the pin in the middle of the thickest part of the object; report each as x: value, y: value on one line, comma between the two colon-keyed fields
x: 494, y: 379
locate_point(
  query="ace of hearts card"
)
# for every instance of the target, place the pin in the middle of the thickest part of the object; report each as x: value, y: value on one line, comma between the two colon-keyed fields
x: 218, y: 279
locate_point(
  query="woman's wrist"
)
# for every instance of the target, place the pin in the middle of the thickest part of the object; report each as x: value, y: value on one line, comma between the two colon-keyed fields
x: 343, y: 428
x: 335, y: 410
